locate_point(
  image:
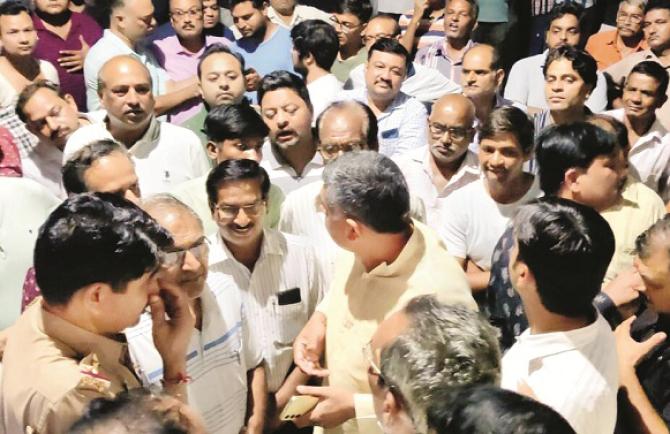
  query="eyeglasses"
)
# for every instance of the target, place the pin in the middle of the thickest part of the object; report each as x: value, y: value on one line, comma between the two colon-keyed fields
x: 176, y: 257
x: 456, y: 133
x: 333, y: 150
x: 231, y: 211
x: 342, y: 24
x: 194, y: 13
x: 377, y: 37
x: 369, y: 355
x: 634, y: 18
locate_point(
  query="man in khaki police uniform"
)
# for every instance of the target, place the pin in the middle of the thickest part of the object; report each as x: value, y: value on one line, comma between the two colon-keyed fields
x: 97, y: 265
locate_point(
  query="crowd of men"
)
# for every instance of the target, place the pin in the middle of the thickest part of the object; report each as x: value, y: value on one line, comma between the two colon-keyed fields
x: 249, y: 216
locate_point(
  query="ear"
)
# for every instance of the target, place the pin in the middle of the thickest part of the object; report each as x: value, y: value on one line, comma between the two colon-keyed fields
x: 661, y: 101
x: 309, y: 59
x: 354, y: 229
x: 571, y: 179
x: 390, y: 407
x: 69, y: 99
x: 363, y: 28
x: 93, y: 296
x: 500, y: 76
x: 211, y: 150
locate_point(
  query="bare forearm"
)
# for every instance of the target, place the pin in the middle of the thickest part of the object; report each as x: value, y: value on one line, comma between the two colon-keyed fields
x: 287, y: 390
x: 478, y: 280
x: 407, y: 39
x: 172, y: 99
x: 649, y: 420
x: 257, y: 400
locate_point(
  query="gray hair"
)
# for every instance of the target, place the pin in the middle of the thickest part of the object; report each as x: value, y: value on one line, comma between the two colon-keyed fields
x: 369, y: 187
x: 639, y: 3
x: 444, y: 347
x: 166, y: 203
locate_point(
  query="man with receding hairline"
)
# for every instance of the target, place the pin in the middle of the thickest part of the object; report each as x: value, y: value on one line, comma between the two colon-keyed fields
x: 481, y: 78
x: 445, y: 164
x: 423, y: 83
x: 129, y: 23
x: 164, y: 154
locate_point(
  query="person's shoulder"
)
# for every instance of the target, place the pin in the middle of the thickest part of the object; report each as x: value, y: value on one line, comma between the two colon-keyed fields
x: 621, y: 68
x: 600, y: 38
x: 646, y: 199
x: 289, y: 242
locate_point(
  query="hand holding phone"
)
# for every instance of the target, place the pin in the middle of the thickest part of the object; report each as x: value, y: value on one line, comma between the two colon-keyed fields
x: 298, y: 405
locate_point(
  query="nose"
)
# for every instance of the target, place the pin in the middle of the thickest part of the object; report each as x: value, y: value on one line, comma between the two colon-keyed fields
x: 191, y: 262
x: 496, y: 159
x: 471, y: 77
x: 132, y: 97
x: 51, y: 123
x: 242, y: 218
x: 282, y: 120
x: 224, y: 85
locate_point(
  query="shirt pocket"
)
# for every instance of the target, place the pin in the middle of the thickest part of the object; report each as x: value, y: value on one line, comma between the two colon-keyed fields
x: 291, y: 318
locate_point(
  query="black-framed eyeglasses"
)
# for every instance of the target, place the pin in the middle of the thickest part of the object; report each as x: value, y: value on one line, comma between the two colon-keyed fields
x: 342, y: 24
x: 456, y: 133
x: 231, y: 211
x: 193, y: 13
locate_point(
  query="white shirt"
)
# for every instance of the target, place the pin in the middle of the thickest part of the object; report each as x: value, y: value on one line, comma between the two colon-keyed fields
x: 323, y: 91
x: 418, y: 172
x: 166, y: 156
x: 650, y: 156
x: 394, y: 6
x: 217, y: 361
x: 284, y: 176
x: 403, y: 126
x: 472, y: 222
x: 24, y: 205
x: 300, y: 13
x: 286, y: 262
x: 110, y: 46
x: 300, y: 215
x: 9, y: 95
x: 573, y: 372
x: 526, y: 85
x: 423, y: 83
x: 43, y: 164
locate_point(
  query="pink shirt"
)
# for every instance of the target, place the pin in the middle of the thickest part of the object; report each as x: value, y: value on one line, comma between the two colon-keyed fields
x: 181, y: 64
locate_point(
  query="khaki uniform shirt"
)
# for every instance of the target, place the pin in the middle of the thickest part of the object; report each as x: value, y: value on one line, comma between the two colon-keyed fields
x: 359, y: 301
x: 52, y: 369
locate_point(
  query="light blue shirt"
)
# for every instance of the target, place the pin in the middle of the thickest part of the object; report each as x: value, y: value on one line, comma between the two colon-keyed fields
x: 110, y: 46
x: 268, y: 56
x: 402, y: 126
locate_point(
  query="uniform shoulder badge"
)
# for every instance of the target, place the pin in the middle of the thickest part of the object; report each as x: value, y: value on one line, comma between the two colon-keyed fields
x: 92, y: 378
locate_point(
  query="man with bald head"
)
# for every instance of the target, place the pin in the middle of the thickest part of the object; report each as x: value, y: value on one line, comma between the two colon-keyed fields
x: 219, y: 390
x: 423, y: 83
x: 129, y: 23
x: 343, y: 126
x: 164, y: 154
x: 445, y: 164
x: 481, y: 77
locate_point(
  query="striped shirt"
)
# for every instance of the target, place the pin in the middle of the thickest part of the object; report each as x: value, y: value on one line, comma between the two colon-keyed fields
x: 428, y: 31
x: 278, y: 296
x: 217, y: 361
x: 436, y: 56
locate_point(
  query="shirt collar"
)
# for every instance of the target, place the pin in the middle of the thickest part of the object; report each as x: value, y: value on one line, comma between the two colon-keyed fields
x: 151, y: 135
x: 537, y: 346
x: 469, y: 165
x: 80, y: 341
x: 276, y: 161
x: 442, y: 50
x: 414, y: 249
x: 219, y: 252
x: 209, y: 40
